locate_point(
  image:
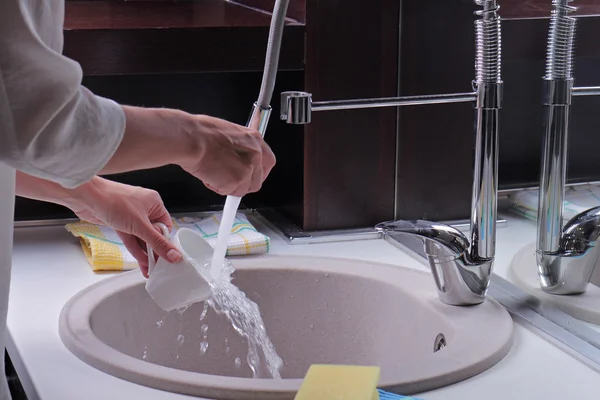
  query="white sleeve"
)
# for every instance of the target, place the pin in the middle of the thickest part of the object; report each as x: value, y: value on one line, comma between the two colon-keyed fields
x: 50, y: 126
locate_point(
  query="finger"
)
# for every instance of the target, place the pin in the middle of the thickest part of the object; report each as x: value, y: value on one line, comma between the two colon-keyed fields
x: 164, y: 218
x: 256, y: 179
x: 210, y: 187
x: 236, y: 179
x: 268, y: 159
x: 159, y: 243
x: 245, y: 186
x: 133, y: 245
x: 158, y: 212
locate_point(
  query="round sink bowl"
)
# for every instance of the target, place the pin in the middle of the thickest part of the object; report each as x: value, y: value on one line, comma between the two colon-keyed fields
x: 316, y: 311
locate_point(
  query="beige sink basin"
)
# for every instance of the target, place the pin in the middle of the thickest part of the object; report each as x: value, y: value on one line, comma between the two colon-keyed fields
x: 316, y: 310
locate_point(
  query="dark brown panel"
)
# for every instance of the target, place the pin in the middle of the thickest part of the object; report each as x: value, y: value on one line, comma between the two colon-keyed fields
x: 526, y: 39
x: 107, y: 14
x: 435, y: 147
x: 110, y: 38
x: 523, y: 114
x: 352, y: 52
x: 435, y: 151
x: 519, y: 9
x: 296, y: 8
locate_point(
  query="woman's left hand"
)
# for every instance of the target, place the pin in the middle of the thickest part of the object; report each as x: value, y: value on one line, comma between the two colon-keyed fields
x: 131, y: 211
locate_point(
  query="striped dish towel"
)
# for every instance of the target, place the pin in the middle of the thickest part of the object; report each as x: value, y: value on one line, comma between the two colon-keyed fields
x: 577, y: 200
x: 104, y: 250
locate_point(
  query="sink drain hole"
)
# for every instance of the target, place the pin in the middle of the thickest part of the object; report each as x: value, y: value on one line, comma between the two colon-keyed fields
x: 439, y: 343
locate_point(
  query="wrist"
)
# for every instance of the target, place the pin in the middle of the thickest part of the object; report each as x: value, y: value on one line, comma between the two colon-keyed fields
x: 84, y: 196
x: 154, y: 137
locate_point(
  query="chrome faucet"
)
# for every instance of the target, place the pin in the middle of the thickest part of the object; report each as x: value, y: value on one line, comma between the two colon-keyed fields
x: 461, y: 268
x: 566, y: 255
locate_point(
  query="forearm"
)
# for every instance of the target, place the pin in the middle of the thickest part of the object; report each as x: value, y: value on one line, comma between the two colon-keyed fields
x: 154, y: 137
x: 40, y: 189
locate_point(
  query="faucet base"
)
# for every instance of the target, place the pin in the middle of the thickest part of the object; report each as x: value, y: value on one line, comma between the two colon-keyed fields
x: 569, y: 268
x: 461, y: 280
x: 562, y: 274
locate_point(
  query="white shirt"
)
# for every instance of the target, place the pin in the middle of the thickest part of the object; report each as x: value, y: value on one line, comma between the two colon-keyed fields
x: 50, y: 126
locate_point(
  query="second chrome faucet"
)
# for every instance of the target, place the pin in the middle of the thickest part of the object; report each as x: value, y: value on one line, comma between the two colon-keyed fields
x: 566, y: 254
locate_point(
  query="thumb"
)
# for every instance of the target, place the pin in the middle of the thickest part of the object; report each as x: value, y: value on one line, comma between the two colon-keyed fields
x: 159, y: 243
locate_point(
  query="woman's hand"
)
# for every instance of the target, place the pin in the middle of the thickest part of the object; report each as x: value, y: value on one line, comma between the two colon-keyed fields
x: 130, y: 210
x: 229, y: 159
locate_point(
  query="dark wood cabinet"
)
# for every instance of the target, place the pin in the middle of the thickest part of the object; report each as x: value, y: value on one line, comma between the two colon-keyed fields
x: 347, y: 168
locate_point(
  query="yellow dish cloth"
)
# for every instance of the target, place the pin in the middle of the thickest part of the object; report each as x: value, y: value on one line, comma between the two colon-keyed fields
x: 104, y: 250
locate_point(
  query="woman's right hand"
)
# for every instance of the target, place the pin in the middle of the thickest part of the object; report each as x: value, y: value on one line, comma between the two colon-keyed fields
x: 229, y: 159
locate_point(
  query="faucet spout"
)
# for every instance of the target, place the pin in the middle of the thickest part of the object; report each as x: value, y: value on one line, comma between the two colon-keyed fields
x: 461, y: 276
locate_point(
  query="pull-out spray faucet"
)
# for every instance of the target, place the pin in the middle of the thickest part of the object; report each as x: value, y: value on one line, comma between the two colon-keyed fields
x: 566, y: 255
x: 462, y: 269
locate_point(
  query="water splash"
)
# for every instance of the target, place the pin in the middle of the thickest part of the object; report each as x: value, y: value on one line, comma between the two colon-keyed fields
x: 244, y: 315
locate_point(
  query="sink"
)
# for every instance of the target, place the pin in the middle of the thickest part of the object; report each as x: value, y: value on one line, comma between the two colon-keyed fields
x: 316, y: 310
x: 523, y: 273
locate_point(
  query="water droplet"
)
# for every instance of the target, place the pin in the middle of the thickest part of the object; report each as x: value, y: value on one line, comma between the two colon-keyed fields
x: 312, y: 326
x: 326, y: 275
x: 326, y: 305
x: 180, y: 339
x: 238, y: 362
x: 183, y: 309
x: 227, y: 350
x: 204, y: 331
x: 159, y: 324
x: 203, y: 347
x: 145, y: 356
x: 204, y: 311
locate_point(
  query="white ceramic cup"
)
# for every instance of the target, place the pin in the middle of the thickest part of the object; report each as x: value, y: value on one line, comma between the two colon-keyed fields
x: 174, y: 286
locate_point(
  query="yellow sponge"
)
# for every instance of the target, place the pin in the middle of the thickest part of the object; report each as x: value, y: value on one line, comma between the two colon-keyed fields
x: 339, y: 382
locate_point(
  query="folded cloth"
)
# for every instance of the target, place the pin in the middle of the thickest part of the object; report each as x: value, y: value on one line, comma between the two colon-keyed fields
x: 577, y: 199
x: 105, y: 251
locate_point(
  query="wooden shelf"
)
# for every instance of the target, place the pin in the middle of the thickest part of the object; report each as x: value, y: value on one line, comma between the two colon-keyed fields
x: 141, y: 37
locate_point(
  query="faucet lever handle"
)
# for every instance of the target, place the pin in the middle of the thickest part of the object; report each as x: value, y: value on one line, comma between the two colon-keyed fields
x: 449, y: 237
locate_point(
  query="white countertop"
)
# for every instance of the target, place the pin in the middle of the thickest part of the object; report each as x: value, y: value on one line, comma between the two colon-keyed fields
x: 49, y: 268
